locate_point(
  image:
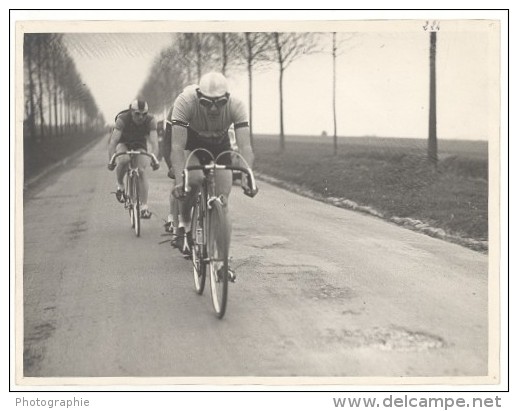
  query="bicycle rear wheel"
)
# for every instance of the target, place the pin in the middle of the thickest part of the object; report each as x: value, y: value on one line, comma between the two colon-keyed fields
x: 136, y: 205
x: 199, y: 249
x: 218, y: 246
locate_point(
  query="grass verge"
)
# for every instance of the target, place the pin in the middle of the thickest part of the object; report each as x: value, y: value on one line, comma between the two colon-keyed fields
x: 390, y: 178
x: 37, y: 156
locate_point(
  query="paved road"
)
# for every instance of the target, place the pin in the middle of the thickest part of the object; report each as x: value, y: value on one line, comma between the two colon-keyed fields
x: 321, y: 291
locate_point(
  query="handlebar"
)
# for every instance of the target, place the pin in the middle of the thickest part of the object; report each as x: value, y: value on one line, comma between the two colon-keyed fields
x: 154, y: 161
x: 251, y: 191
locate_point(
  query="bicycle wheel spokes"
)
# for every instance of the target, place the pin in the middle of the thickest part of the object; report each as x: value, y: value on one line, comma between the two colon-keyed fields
x: 218, y: 258
x: 132, y: 218
x: 198, y: 249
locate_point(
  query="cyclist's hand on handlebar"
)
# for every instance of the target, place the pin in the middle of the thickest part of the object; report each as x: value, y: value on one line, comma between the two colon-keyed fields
x: 251, y: 193
x: 111, y: 166
x: 245, y: 185
x: 178, y: 191
x: 155, y: 164
x: 244, y: 181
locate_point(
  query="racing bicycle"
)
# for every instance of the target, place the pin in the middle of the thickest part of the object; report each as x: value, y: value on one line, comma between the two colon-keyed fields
x: 131, y: 184
x: 210, y: 228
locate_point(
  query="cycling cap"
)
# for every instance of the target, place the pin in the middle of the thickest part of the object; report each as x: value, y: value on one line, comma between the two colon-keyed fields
x: 139, y: 105
x: 213, y: 84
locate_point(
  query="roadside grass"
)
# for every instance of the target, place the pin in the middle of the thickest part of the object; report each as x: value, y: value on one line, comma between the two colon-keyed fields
x: 389, y: 175
x: 39, y: 155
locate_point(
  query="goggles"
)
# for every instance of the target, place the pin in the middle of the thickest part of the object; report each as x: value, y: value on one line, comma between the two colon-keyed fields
x: 208, y: 102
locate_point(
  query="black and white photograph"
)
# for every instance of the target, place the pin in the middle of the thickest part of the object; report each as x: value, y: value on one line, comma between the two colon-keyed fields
x: 258, y: 202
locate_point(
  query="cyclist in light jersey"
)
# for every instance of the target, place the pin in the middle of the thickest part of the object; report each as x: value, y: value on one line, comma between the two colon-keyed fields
x: 200, y: 118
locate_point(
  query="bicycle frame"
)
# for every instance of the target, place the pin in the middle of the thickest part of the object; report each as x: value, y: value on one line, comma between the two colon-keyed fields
x: 211, y: 230
x: 132, y: 186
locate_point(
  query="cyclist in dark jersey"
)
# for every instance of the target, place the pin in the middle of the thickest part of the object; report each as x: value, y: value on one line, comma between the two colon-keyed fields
x: 200, y: 118
x: 134, y: 129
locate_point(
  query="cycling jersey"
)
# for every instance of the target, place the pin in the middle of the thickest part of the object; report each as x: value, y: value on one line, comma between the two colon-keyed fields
x: 133, y: 135
x: 187, y: 109
x: 204, y: 132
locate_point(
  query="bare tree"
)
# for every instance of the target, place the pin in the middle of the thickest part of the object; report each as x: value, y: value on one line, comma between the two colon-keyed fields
x: 48, y: 81
x: 253, y: 49
x: 54, y: 87
x: 41, y: 40
x: 337, y: 48
x: 197, y: 52
x: 432, y: 120
x: 287, y: 48
x: 230, y: 50
x: 28, y: 51
x: 165, y: 81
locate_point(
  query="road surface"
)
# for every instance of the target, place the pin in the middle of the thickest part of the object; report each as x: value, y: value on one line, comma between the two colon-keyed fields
x: 321, y: 291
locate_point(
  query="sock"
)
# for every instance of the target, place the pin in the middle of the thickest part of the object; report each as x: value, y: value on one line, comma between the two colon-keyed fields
x: 170, y: 218
x: 120, y: 187
x: 185, y: 224
x: 143, y: 206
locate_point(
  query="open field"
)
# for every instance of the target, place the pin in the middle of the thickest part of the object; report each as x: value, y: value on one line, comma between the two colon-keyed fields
x: 389, y: 175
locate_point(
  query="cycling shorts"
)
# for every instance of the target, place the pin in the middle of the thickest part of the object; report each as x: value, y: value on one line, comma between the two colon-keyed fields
x: 135, y: 145
x: 213, y: 145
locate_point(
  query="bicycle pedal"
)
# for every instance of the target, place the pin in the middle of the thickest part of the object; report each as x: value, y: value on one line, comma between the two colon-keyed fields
x: 231, y: 276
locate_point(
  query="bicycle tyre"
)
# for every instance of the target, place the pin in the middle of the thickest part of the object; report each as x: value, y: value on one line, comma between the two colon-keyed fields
x: 127, y: 200
x: 218, y: 248
x: 199, y: 249
x: 136, y: 206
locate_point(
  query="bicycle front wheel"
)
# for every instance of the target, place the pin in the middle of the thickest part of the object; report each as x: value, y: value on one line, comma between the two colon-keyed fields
x: 218, y: 247
x: 128, y: 195
x: 136, y: 205
x: 199, y: 249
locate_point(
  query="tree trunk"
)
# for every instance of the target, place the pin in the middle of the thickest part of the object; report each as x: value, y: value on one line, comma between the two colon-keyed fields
x: 335, y: 138
x: 31, y: 118
x: 49, y: 96
x: 281, y: 75
x: 56, y: 91
x: 56, y: 109
x: 40, y: 89
x: 63, y: 120
x: 81, y: 120
x: 224, y: 53
x: 198, y: 59
x: 61, y: 113
x: 250, y: 67
x: 432, y: 121
x: 68, y: 117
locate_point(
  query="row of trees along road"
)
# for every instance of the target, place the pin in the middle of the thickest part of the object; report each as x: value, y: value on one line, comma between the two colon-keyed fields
x: 192, y: 54
x: 57, y: 104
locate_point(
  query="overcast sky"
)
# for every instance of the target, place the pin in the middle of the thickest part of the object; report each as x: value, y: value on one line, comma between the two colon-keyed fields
x: 382, y: 81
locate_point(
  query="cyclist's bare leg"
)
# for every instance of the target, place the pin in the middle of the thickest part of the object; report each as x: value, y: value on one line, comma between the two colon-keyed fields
x: 223, y: 182
x: 223, y: 187
x: 122, y: 165
x: 173, y: 210
x: 186, y: 204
